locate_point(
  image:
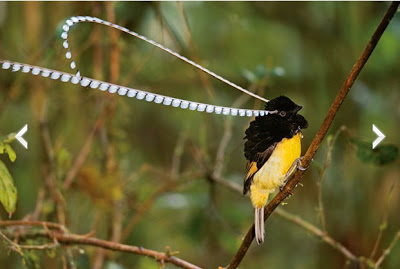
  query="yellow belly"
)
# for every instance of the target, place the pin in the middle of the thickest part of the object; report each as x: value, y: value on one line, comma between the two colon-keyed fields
x: 272, y: 173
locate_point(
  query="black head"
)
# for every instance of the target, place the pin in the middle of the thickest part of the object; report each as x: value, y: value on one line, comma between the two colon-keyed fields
x: 300, y: 122
x: 296, y: 123
x: 283, y: 106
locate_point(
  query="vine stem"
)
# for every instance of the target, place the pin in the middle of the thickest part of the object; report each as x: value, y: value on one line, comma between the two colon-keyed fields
x: 288, y: 189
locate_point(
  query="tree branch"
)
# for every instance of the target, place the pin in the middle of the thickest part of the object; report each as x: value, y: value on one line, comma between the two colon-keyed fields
x: 75, y: 239
x: 388, y: 249
x: 238, y: 257
x: 317, y: 232
x: 44, y: 224
x: 296, y: 220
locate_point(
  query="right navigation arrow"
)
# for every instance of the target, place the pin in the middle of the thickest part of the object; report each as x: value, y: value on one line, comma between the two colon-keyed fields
x: 381, y: 136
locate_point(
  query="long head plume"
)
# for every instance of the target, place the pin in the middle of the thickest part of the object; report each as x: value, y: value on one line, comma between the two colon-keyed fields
x: 121, y: 90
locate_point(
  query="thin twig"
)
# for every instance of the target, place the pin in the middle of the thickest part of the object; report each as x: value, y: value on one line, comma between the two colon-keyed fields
x: 98, y: 72
x: 110, y: 163
x: 318, y: 232
x: 14, y: 246
x: 383, y: 225
x: 144, y: 208
x: 39, y: 206
x: 227, y: 183
x: 226, y: 137
x: 327, y: 162
x: 39, y: 247
x: 170, y: 182
x: 115, y: 50
x: 387, y: 251
x: 46, y: 224
x: 288, y: 189
x: 204, y: 79
x: 177, y: 155
x: 50, y: 168
x: 84, y: 152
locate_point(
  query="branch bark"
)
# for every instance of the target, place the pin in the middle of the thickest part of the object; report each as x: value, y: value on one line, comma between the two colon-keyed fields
x: 287, y: 190
x: 75, y: 239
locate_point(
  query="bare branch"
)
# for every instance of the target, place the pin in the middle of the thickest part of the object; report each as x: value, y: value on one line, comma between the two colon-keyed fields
x: 177, y: 156
x: 39, y: 206
x: 143, y: 209
x: 327, y: 162
x: 75, y: 239
x: 228, y: 184
x: 50, y: 175
x: 317, y: 232
x: 383, y: 225
x: 204, y: 79
x: 46, y: 224
x: 83, y: 153
x: 387, y: 251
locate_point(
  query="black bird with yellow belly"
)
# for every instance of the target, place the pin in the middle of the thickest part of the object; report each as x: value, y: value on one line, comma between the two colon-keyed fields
x: 272, y: 150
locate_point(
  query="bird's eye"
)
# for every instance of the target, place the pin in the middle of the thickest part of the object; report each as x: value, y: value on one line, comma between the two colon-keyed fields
x: 282, y: 113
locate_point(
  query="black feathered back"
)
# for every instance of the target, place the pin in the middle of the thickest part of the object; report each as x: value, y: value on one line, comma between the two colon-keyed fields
x: 265, y: 132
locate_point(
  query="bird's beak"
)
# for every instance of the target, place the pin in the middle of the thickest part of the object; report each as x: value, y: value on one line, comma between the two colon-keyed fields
x: 297, y: 109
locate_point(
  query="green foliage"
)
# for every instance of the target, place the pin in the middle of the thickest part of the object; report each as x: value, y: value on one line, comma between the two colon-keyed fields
x: 11, y: 153
x: 383, y: 154
x: 32, y: 259
x: 5, y: 146
x: 8, y: 192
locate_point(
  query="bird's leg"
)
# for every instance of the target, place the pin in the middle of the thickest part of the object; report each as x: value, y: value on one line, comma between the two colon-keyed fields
x: 295, y: 164
x: 298, y: 160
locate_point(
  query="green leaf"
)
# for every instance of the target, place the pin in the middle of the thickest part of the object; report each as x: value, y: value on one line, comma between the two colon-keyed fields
x: 9, y: 138
x: 11, y: 153
x: 381, y: 155
x: 8, y: 192
x: 1, y: 147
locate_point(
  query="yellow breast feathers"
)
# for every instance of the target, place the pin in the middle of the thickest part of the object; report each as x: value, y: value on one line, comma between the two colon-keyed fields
x: 272, y: 173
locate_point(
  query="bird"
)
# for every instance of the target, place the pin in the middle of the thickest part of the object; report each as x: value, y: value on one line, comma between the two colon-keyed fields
x: 272, y: 150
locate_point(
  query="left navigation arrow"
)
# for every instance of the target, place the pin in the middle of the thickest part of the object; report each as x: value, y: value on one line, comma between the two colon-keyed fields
x: 19, y: 135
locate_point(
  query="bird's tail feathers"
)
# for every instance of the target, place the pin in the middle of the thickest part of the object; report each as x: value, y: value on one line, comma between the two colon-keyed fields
x: 259, y: 224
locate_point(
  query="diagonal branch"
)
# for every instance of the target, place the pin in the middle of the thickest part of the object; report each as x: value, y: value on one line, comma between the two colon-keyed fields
x: 317, y: 232
x: 323, y: 235
x: 387, y: 251
x: 287, y: 190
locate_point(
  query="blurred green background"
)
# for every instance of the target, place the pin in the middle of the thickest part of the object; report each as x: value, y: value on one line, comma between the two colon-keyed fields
x: 148, y: 164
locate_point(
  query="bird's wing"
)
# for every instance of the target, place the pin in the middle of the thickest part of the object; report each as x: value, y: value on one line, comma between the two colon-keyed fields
x: 255, y: 164
x: 262, y: 136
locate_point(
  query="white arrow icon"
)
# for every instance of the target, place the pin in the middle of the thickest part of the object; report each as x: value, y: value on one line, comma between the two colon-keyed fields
x: 381, y: 136
x: 19, y: 135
